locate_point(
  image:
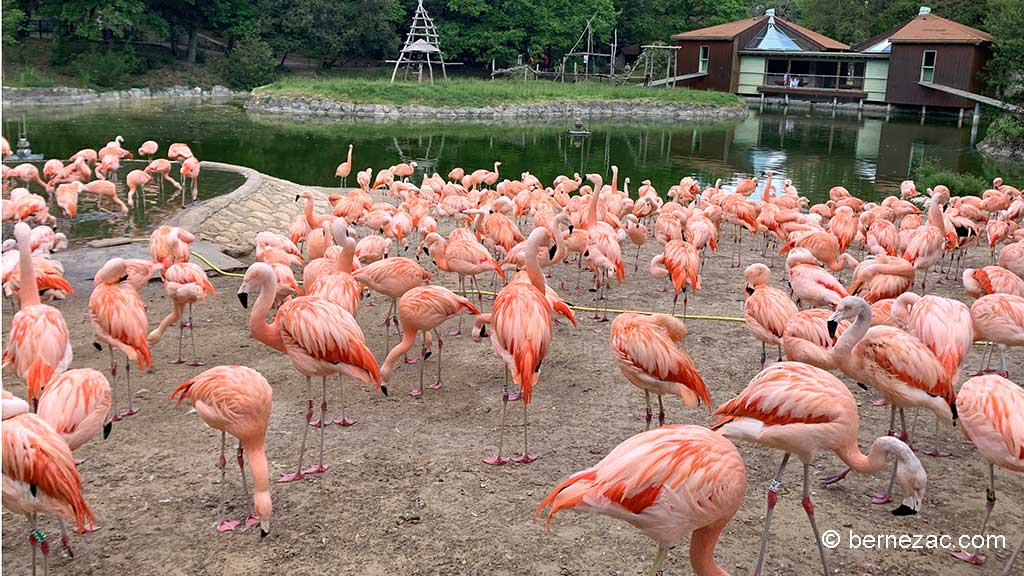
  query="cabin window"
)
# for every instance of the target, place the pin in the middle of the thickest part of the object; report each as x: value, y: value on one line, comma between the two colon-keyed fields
x: 702, y: 63
x: 928, y: 66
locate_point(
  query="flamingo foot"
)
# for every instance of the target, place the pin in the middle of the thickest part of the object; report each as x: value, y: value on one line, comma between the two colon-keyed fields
x: 315, y: 469
x: 226, y: 525
x: 180, y: 360
x: 525, y: 458
x: 196, y: 362
x: 496, y: 461
x: 879, y: 498
x: 1003, y: 373
x: 316, y: 423
x: 251, y: 521
x: 290, y: 477
x: 515, y: 396
x: 834, y: 478
x: 936, y: 453
x: 455, y: 333
x: 435, y: 385
x: 981, y: 372
x: 976, y: 559
x: 411, y: 360
x: 416, y: 392
x: 880, y: 402
x: 89, y: 528
x: 129, y: 412
x: 79, y: 462
x: 344, y: 421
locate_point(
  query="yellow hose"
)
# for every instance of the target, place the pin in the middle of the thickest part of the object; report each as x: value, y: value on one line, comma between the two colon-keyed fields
x: 201, y: 257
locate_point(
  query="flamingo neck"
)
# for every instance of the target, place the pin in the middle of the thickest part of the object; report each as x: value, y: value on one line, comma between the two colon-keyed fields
x: 269, y: 334
x: 260, y: 477
x: 28, y: 293
x: 702, y: 550
x: 438, y: 251
x: 877, y: 456
x: 935, y: 215
x: 844, y: 346
x: 348, y: 253
x: 307, y: 209
x: 403, y: 346
x: 533, y: 266
x: 595, y: 198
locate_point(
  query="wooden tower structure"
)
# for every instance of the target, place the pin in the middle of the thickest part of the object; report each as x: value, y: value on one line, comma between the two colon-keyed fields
x: 422, y: 48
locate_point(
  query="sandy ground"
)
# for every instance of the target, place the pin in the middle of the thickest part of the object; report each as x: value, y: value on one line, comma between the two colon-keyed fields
x: 407, y: 493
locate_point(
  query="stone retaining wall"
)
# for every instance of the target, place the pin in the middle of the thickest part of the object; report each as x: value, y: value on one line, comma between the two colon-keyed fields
x: 65, y: 95
x: 646, y: 110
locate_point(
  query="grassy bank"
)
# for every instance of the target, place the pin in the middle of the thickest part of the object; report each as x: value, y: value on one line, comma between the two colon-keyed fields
x: 482, y: 93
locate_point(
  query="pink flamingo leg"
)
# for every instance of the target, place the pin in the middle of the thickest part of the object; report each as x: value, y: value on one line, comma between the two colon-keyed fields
x: 773, y: 498
x: 990, y: 503
x: 297, y: 475
x: 498, y: 460
x: 224, y: 525
x: 344, y: 420
x: 320, y: 468
x: 440, y: 344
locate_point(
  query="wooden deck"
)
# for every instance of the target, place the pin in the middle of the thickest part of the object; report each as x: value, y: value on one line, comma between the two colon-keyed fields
x: 972, y: 96
x: 828, y: 92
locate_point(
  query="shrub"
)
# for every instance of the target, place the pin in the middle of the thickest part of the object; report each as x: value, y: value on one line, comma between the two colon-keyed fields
x: 107, y: 68
x: 928, y: 175
x: 1007, y: 128
x: 29, y: 77
x: 250, y: 64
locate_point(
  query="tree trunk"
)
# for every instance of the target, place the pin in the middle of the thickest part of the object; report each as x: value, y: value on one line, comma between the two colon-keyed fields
x: 231, y: 44
x: 193, y: 43
x: 174, y: 41
x: 283, y: 57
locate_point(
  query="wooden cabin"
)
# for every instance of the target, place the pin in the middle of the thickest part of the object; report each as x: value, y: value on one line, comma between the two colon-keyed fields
x: 909, y: 65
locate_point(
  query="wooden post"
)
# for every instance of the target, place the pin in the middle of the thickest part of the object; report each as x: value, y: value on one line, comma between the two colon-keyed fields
x: 975, y: 122
x: 860, y: 104
x: 960, y: 118
x: 615, y: 42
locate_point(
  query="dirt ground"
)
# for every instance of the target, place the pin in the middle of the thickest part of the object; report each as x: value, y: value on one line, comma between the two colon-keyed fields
x: 407, y: 492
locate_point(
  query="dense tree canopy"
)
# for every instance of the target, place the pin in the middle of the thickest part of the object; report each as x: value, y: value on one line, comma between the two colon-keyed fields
x: 339, y: 32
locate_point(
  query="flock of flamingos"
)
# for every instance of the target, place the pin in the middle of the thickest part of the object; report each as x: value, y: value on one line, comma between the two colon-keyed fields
x: 671, y: 482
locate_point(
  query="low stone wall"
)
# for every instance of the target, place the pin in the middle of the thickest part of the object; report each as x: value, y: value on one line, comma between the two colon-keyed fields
x: 590, y: 109
x: 65, y: 95
x: 1001, y: 150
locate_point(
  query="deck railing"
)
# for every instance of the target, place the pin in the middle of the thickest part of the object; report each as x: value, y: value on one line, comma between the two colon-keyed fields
x: 815, y: 81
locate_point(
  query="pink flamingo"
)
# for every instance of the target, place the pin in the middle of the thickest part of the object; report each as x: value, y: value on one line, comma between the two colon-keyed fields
x: 148, y: 148
x: 942, y: 324
x: 992, y: 280
x: 190, y: 170
x: 236, y: 400
x: 109, y: 165
x: 811, y: 283
x: 464, y: 257
x: 392, y: 277
x: 637, y: 234
x: 647, y: 351
x: 999, y: 319
x: 77, y: 405
x: 38, y: 345
x: 521, y: 333
x: 27, y: 174
x: 319, y: 337
x: 39, y: 474
x: 170, y: 244
x: 119, y: 321
x: 681, y: 261
x: 162, y: 167
x: 422, y: 310
x: 766, y: 310
x: 806, y: 338
x: 991, y: 412
x: 925, y: 245
x: 802, y: 410
x: 670, y: 483
x: 136, y: 181
x: 67, y: 198
x: 881, y: 277
x: 103, y: 189
x: 141, y: 271
x: 179, y: 152
x: 185, y: 284
x: 345, y: 168
x: 1011, y: 257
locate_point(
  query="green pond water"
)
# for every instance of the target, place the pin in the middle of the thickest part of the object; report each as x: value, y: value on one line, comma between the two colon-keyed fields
x: 816, y: 150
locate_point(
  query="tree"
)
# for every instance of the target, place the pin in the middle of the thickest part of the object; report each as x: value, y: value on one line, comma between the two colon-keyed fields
x: 1005, y: 21
x: 13, y: 18
x: 97, y: 19
x: 250, y: 64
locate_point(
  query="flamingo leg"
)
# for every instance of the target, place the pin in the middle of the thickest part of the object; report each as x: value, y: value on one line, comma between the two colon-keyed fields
x: 250, y: 520
x: 181, y: 337
x: 498, y: 460
x: 764, y: 354
x: 113, y: 378
x: 773, y: 498
x: 462, y: 291
x: 191, y: 333
x: 809, y: 508
x: 297, y: 475
x: 65, y: 540
x: 661, y: 412
x: 1003, y: 371
x: 131, y: 411
x: 986, y: 357
x: 648, y: 416
x: 418, y: 391
x: 990, y: 503
x: 526, y: 457
x: 224, y: 525
x: 1009, y: 563
x: 344, y: 420
x: 319, y: 468
x: 659, y: 560
x: 440, y: 344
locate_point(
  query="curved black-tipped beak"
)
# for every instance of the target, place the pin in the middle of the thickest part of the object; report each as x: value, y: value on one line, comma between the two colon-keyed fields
x: 483, y: 331
x: 904, y: 510
x: 263, y: 533
x: 426, y: 251
x: 384, y: 389
x: 122, y: 278
x: 33, y: 489
x: 750, y: 290
x: 297, y: 197
x: 832, y: 327
x: 551, y: 251
x: 243, y: 297
x: 97, y: 346
x: 571, y: 228
x: 107, y: 428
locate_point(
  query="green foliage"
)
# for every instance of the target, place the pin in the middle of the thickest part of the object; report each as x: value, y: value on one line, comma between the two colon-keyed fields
x: 13, y: 18
x: 106, y: 68
x: 465, y: 92
x: 1005, y: 21
x: 90, y: 18
x: 929, y: 175
x: 250, y: 64
x: 1007, y: 128
x: 645, y: 21
x: 29, y: 77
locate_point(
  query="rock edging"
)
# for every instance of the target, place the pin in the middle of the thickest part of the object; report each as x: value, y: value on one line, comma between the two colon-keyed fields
x: 66, y: 95
x: 1001, y: 149
x: 301, y: 106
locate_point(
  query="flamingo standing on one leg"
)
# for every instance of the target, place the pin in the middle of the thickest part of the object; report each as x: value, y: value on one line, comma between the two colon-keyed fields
x: 999, y: 319
x: 802, y: 410
x: 670, y: 483
x: 148, y: 148
x: 991, y: 412
x: 345, y: 168
x: 766, y: 309
x: 39, y: 474
x: 38, y: 345
x: 520, y: 336
x: 236, y: 400
x: 681, y: 261
x: 190, y: 170
x: 185, y: 284
x: 925, y: 246
x: 319, y: 337
x: 136, y: 181
x: 119, y: 320
x: 422, y: 310
x: 647, y: 352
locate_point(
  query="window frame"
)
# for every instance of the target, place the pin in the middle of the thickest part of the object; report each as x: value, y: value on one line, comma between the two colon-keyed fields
x: 925, y: 68
x: 703, y: 58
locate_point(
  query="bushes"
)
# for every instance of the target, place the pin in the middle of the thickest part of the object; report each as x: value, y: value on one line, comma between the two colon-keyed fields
x: 29, y: 77
x: 1007, y: 128
x: 250, y: 64
x: 109, y: 67
x: 928, y: 175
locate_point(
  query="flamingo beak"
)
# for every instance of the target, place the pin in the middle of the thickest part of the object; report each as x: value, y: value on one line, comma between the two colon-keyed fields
x: 243, y: 298
x: 107, y: 428
x: 123, y: 278
x: 570, y: 228
x: 384, y: 389
x: 749, y: 289
x: 832, y: 325
x: 904, y: 510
